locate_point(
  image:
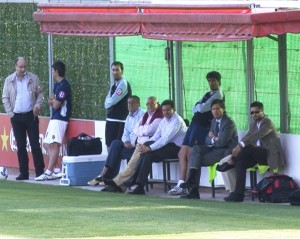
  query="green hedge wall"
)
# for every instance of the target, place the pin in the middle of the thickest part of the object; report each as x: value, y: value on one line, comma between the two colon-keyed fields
x: 86, y: 59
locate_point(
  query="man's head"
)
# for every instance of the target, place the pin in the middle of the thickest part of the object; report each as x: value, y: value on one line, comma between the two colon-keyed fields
x: 133, y: 103
x: 117, y: 69
x: 257, y: 110
x: 217, y: 108
x: 58, y: 69
x: 20, y: 66
x: 214, y: 80
x: 152, y: 104
x: 168, y: 108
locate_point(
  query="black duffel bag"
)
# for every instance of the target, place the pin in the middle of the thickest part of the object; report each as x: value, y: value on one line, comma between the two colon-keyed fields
x: 84, y: 144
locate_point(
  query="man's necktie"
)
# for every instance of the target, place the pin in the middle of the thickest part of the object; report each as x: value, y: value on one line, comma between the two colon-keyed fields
x: 217, y: 128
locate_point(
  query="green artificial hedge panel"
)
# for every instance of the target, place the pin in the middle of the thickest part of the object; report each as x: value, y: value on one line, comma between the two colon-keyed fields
x: 88, y: 70
x: 86, y: 59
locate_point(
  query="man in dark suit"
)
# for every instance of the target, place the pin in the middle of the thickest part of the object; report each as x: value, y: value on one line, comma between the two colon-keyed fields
x: 261, y: 145
x: 220, y: 141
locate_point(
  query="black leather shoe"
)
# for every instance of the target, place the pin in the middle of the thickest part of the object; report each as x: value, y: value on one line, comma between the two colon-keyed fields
x: 99, y: 179
x: 189, y: 184
x: 224, y: 167
x: 108, y: 181
x: 235, y: 197
x: 190, y: 195
x: 139, y: 190
x: 112, y: 189
x: 22, y: 177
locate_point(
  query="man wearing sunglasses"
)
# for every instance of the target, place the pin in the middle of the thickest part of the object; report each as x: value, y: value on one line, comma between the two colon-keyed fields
x: 261, y: 145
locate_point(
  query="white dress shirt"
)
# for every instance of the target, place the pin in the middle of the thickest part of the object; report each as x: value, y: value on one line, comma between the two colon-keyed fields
x: 169, y: 131
x: 130, y: 123
x: 145, y: 131
x: 23, y: 98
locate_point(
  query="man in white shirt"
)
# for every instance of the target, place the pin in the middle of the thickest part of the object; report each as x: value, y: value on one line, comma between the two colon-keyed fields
x: 164, y: 144
x: 141, y: 131
x: 23, y: 98
x: 122, y: 149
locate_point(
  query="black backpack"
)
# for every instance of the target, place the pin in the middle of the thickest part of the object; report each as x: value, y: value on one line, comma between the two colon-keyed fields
x: 276, y: 188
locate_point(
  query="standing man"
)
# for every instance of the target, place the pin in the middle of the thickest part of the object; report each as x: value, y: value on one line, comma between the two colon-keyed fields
x: 199, y: 127
x: 261, y: 145
x: 22, y: 98
x: 122, y: 148
x: 61, y: 102
x: 116, y: 105
x: 220, y: 141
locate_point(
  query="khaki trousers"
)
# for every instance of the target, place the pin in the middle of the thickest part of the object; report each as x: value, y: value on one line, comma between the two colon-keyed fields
x: 129, y: 170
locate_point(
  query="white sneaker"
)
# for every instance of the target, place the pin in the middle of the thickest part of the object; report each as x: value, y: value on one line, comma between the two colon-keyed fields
x: 45, y: 177
x: 57, y: 175
x: 176, y: 191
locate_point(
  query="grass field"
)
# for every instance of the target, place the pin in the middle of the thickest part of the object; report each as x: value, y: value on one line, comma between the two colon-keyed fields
x: 46, y: 211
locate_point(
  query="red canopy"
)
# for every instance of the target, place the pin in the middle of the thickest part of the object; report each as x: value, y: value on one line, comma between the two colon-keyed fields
x: 168, y: 22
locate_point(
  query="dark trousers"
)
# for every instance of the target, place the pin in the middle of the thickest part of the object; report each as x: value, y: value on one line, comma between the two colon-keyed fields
x: 23, y: 125
x: 168, y: 151
x: 248, y: 157
x: 116, y: 154
x: 204, y: 156
x: 113, y: 131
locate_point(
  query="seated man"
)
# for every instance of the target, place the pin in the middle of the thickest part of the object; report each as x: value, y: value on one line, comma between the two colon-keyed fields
x: 138, y: 127
x: 164, y: 144
x: 199, y: 127
x: 220, y: 141
x: 123, y: 148
x: 261, y: 145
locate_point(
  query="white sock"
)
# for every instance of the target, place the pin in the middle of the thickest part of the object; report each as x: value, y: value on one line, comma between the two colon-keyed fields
x: 180, y: 182
x: 48, y: 172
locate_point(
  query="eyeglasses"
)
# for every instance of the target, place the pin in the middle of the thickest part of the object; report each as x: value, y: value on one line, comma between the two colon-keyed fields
x: 254, y: 112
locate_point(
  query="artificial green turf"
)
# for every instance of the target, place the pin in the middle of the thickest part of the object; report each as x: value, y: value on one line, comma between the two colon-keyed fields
x: 40, y: 211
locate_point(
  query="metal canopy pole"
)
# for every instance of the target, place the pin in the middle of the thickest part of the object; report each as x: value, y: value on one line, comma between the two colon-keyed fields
x: 170, y: 60
x: 50, y: 62
x: 112, y: 56
x: 178, y: 79
x: 283, y: 84
x: 250, y: 74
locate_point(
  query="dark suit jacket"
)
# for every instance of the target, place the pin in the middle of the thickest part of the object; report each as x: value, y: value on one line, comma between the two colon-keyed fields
x: 228, y: 138
x: 269, y: 139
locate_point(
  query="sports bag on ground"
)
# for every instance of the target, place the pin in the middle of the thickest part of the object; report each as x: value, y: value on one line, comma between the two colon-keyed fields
x: 276, y: 188
x: 84, y: 144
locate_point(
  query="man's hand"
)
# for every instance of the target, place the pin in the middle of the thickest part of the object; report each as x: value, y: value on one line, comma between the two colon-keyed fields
x: 50, y: 99
x: 143, y: 148
x: 236, y: 150
x: 36, y: 110
x: 127, y: 145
